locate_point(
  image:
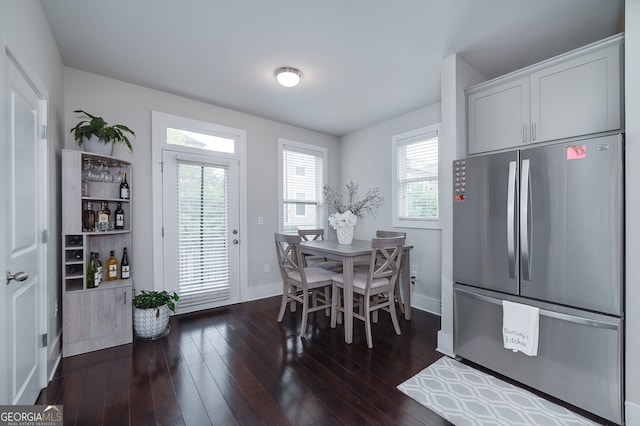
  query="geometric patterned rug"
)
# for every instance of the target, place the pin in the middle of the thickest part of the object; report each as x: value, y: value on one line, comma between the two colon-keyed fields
x: 468, y: 397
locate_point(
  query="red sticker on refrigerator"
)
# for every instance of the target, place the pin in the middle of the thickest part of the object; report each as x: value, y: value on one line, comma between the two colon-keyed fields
x: 576, y: 152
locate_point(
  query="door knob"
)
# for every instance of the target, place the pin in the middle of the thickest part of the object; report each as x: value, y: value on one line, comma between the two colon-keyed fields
x: 20, y: 276
x: 235, y: 241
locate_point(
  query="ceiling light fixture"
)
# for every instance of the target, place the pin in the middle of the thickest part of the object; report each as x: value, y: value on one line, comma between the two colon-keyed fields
x: 288, y: 77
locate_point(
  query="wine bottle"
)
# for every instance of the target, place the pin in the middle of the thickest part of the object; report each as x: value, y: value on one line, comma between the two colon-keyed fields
x: 112, y: 267
x: 98, y: 279
x: 119, y: 217
x: 104, y: 217
x: 91, y: 272
x: 124, y: 187
x: 88, y: 218
x: 124, y: 265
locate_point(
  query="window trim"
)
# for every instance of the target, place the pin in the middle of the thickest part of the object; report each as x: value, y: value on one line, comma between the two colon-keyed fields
x: 302, y: 147
x: 397, y: 140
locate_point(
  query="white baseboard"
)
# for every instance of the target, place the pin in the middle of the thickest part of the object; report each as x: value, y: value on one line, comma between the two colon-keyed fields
x: 632, y: 413
x: 425, y: 303
x: 261, y: 292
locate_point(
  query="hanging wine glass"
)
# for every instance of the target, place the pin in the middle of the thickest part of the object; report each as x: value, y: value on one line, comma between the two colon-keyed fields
x: 92, y: 171
x: 117, y: 178
x: 86, y: 167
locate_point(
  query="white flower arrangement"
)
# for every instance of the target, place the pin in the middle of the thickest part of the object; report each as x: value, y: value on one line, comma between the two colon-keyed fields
x: 337, y: 220
x: 348, y: 213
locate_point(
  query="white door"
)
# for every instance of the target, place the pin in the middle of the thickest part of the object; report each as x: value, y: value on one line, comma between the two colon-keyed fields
x: 23, y: 249
x: 201, y: 229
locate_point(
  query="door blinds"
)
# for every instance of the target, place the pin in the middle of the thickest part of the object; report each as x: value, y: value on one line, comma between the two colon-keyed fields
x: 203, y: 229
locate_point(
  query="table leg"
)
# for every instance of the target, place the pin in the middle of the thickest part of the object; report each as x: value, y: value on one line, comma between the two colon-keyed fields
x: 347, y: 274
x: 406, y: 283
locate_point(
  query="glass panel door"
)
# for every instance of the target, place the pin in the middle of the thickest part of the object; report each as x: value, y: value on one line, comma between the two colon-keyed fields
x: 200, y: 230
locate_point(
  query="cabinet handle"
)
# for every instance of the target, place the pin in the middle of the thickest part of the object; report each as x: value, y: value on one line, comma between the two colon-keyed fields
x: 533, y: 128
x: 524, y: 133
x: 125, y: 297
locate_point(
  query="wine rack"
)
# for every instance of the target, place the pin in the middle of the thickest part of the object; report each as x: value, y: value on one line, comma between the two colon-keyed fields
x: 100, y: 317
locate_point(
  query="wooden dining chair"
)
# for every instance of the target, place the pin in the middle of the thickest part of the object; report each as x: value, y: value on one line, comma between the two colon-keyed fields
x: 318, y: 261
x: 387, y: 234
x: 376, y: 286
x: 308, y: 285
x: 364, y: 265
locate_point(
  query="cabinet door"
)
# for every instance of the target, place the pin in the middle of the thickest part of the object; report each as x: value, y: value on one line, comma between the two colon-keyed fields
x: 577, y: 97
x: 499, y: 116
x: 96, y: 319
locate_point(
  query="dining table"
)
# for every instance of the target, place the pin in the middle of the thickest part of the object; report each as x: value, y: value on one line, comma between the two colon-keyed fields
x: 349, y: 254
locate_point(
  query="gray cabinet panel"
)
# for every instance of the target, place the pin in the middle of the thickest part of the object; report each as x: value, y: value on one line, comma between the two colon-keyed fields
x: 575, y: 94
x: 499, y: 116
x: 577, y: 97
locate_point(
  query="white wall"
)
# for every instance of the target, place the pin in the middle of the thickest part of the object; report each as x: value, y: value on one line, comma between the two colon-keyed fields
x: 365, y: 158
x: 632, y: 112
x: 128, y: 104
x: 29, y: 38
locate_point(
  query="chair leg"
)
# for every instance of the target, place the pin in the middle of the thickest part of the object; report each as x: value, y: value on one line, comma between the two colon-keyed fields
x: 374, y: 314
x: 367, y: 322
x: 394, y: 317
x: 397, y: 292
x: 305, y: 312
x: 334, y: 302
x: 327, y: 293
x: 283, y: 305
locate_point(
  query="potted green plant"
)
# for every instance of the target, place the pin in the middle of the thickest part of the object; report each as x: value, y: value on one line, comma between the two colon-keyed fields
x: 151, y: 312
x: 95, y: 135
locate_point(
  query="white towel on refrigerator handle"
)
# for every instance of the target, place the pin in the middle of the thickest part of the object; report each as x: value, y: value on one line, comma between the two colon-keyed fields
x: 520, y: 327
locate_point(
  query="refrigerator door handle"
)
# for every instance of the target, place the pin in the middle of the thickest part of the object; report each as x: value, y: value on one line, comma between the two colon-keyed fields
x: 547, y: 313
x: 525, y: 205
x: 511, y: 219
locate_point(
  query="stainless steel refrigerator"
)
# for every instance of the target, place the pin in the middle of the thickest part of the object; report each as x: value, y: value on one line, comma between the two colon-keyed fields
x: 544, y: 226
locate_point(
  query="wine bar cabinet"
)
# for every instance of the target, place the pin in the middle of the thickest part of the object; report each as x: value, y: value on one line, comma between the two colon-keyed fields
x: 95, y: 317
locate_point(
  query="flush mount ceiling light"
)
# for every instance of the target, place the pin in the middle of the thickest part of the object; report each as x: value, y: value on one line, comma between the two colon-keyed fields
x: 288, y: 77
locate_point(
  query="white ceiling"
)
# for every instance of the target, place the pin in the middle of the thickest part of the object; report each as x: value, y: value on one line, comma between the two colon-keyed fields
x: 364, y: 61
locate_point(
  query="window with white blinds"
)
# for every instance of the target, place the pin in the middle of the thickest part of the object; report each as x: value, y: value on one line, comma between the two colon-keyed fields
x: 302, y: 180
x: 203, y: 229
x: 416, y: 177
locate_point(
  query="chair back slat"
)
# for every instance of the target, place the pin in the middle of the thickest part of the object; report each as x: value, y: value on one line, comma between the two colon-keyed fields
x: 288, y: 250
x: 311, y: 234
x: 386, y: 258
x: 388, y: 234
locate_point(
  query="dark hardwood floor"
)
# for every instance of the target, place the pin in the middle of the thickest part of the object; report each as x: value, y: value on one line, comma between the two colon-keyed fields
x: 238, y: 366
